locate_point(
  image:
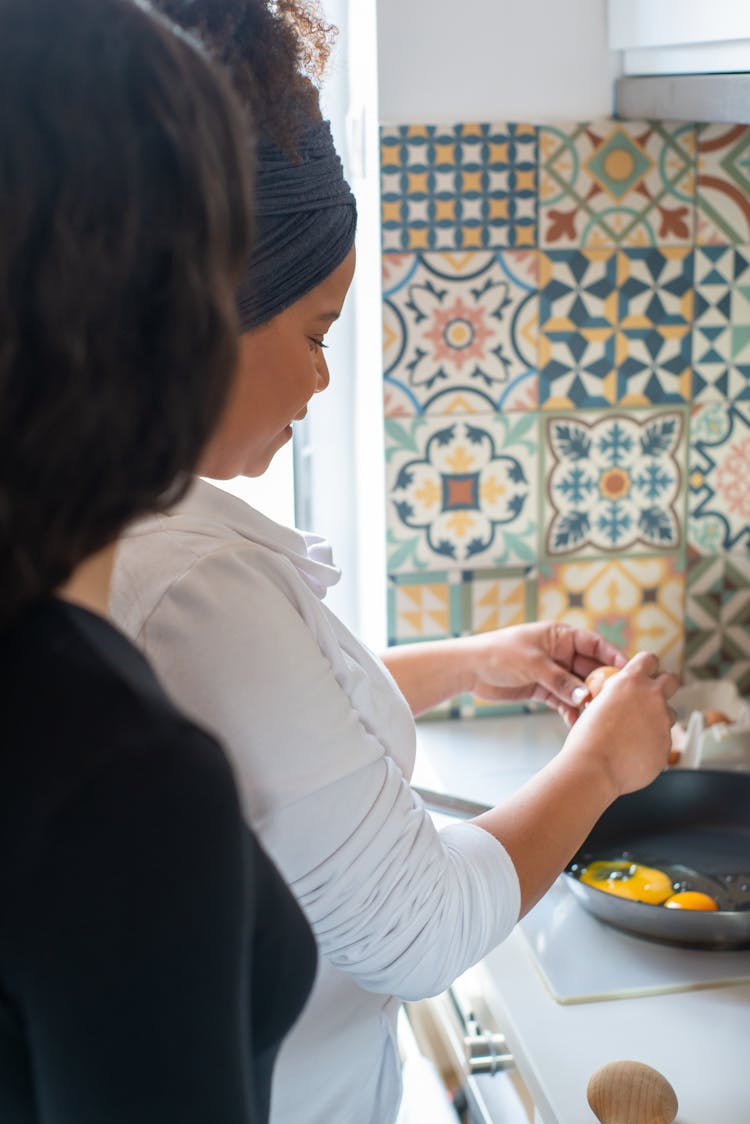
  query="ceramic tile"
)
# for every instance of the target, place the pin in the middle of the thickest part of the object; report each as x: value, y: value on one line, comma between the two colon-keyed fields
x: 717, y: 620
x: 538, y: 400
x: 723, y: 185
x: 468, y: 186
x: 577, y: 328
x: 612, y: 183
x: 460, y: 332
x: 615, y: 327
x: 719, y: 505
x: 655, y: 314
x: 437, y: 605
x: 497, y: 599
x: 461, y: 492
x: 721, y: 332
x: 614, y: 482
x: 636, y: 603
x: 424, y: 607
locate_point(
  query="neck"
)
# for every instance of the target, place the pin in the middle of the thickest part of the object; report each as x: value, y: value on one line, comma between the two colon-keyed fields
x: 88, y: 585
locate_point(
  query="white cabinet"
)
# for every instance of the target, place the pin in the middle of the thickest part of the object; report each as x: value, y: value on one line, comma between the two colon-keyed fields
x: 683, y: 60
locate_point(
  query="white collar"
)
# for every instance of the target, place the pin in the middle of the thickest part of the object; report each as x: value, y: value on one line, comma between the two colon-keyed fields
x: 207, y: 509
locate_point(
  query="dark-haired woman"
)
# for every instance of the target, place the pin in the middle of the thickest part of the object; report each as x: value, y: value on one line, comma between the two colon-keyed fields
x: 230, y: 607
x: 151, y: 959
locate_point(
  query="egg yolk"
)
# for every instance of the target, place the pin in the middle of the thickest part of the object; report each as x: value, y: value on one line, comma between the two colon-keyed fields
x: 690, y: 899
x: 629, y: 880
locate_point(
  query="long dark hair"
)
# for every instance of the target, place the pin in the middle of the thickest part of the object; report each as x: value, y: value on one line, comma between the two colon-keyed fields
x: 274, y: 50
x: 125, y: 184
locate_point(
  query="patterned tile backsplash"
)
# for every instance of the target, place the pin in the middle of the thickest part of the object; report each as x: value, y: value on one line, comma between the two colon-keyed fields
x: 567, y: 384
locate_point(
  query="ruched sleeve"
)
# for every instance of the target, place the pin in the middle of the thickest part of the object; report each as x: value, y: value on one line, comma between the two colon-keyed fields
x: 243, y: 645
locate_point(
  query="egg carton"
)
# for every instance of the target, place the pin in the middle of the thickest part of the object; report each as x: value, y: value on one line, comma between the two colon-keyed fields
x: 719, y: 746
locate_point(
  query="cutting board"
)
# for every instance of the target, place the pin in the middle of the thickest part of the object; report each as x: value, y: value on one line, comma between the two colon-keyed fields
x: 582, y: 960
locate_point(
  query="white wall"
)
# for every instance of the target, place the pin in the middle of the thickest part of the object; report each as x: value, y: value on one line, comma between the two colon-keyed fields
x: 522, y: 60
x: 442, y: 61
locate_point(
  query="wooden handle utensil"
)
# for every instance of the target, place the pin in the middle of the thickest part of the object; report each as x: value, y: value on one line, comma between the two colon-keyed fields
x: 627, y: 1092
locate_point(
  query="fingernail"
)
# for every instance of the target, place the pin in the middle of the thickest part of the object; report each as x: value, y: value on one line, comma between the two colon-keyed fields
x: 578, y: 695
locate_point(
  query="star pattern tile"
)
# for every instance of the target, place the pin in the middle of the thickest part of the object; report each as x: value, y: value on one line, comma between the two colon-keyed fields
x: 566, y: 360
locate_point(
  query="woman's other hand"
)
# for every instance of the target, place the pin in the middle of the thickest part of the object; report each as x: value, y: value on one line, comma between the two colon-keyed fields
x: 546, y: 661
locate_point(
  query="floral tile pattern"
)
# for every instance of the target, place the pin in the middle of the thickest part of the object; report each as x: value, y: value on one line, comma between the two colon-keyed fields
x: 723, y: 185
x: 567, y: 385
x: 614, y: 482
x: 458, y: 187
x: 615, y: 327
x: 721, y: 332
x: 460, y: 332
x: 461, y: 491
x: 617, y: 183
x: 717, y: 620
x: 719, y: 506
x: 637, y: 603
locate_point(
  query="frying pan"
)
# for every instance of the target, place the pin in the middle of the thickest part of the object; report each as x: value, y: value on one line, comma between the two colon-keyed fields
x: 696, y: 818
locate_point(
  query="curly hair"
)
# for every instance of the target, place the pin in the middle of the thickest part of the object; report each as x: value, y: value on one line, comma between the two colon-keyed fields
x: 125, y: 181
x: 275, y: 51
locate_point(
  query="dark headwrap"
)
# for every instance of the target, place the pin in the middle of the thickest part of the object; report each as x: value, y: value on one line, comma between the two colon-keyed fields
x: 305, y: 219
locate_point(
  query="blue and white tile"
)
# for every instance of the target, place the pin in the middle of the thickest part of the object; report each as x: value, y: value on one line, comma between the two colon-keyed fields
x: 614, y: 482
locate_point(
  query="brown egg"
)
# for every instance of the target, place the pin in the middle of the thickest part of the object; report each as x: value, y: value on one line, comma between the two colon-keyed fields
x: 714, y: 717
x: 596, y: 679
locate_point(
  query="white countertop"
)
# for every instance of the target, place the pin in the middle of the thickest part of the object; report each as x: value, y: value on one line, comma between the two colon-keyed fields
x: 696, y: 1038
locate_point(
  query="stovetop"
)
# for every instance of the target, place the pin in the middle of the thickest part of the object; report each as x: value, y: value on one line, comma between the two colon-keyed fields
x: 582, y: 960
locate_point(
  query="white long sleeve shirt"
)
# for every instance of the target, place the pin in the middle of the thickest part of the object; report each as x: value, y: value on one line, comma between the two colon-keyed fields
x: 228, y: 607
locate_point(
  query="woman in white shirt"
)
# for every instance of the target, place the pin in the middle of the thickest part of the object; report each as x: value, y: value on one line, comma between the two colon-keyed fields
x: 229, y: 607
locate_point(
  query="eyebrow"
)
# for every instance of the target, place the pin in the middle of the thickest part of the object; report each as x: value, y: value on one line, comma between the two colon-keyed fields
x: 328, y: 316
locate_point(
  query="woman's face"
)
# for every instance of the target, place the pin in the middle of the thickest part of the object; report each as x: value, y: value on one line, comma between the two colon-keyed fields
x: 280, y: 366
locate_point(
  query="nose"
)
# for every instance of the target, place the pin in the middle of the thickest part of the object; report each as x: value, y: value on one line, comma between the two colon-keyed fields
x: 321, y: 371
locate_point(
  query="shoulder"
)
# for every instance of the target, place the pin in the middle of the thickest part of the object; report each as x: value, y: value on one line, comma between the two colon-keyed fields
x: 184, y: 561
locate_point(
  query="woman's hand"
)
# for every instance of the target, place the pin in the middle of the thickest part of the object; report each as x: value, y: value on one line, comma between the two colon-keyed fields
x: 620, y: 743
x: 626, y: 729
x: 546, y: 661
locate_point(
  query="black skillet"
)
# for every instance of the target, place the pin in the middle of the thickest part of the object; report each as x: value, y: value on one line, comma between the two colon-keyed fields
x: 693, y: 818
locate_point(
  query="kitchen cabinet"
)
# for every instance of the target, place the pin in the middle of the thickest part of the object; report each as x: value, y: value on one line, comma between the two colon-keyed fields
x: 694, y: 1034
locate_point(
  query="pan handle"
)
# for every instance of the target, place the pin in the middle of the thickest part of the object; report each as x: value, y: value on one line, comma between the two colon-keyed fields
x: 626, y: 1092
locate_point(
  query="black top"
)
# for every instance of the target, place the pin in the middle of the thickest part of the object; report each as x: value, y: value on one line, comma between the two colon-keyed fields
x: 151, y: 958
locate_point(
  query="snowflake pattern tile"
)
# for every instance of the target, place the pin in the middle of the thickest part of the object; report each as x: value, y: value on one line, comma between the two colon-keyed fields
x: 719, y: 480
x: 636, y: 603
x: 723, y: 185
x: 460, y: 332
x: 461, y: 492
x: 616, y: 183
x: 469, y: 186
x: 717, y: 620
x: 614, y: 482
x: 721, y: 331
